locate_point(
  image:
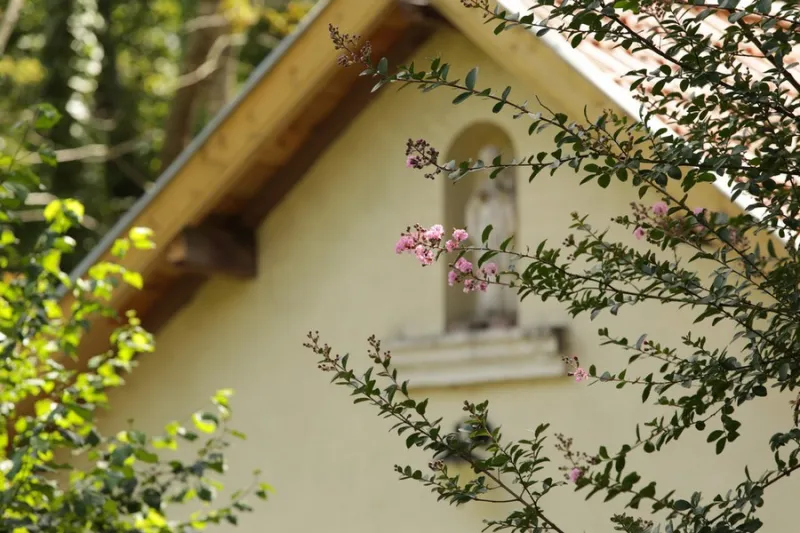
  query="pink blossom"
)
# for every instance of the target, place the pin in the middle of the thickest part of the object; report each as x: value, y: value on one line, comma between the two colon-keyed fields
x: 660, y: 208
x: 450, y: 245
x: 424, y: 255
x: 463, y: 265
x: 405, y: 243
x: 482, y: 286
x: 575, y: 474
x: 489, y: 269
x: 460, y: 235
x: 580, y: 374
x: 698, y: 211
x: 434, y: 233
x: 469, y: 285
x: 412, y: 161
x: 639, y: 232
x: 452, y: 278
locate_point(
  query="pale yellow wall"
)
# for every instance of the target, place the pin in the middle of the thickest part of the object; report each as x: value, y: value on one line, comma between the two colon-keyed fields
x: 327, y: 263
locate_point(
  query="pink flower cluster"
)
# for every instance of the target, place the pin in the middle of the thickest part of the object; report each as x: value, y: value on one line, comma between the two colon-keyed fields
x: 578, y: 372
x: 575, y: 474
x: 463, y: 268
x: 660, y: 209
x: 413, y: 161
x: 424, y: 242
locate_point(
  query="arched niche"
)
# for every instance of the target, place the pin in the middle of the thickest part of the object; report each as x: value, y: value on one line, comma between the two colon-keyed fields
x: 467, y: 145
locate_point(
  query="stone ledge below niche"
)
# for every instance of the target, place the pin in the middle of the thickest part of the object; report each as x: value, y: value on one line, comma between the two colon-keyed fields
x: 474, y: 357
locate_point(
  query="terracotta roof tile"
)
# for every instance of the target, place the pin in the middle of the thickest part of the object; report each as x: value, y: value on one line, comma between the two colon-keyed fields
x: 616, y: 61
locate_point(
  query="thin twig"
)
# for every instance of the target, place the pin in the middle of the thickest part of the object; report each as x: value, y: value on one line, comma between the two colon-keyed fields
x: 212, y: 62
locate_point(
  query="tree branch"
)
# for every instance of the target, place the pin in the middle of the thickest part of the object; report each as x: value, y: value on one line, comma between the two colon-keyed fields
x: 10, y: 18
x: 213, y: 60
x: 95, y: 152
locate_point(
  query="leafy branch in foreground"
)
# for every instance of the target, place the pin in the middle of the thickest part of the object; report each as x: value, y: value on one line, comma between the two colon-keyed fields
x: 523, y: 459
x: 60, y: 471
x: 715, y: 106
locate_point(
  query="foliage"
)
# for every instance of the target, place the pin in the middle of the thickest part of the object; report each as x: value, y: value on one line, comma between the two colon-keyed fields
x: 112, y: 68
x: 719, y: 108
x: 60, y: 472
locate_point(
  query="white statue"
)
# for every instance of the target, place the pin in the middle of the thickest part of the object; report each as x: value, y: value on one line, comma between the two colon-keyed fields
x: 493, y: 202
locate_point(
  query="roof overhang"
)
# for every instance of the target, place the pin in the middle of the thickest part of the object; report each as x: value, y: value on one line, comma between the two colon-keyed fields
x: 241, y: 165
x: 295, y: 104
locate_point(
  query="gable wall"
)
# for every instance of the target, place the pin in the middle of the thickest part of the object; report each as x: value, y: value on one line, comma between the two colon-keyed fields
x: 327, y: 263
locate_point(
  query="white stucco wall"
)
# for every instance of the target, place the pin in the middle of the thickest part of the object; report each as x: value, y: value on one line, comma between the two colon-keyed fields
x: 327, y: 263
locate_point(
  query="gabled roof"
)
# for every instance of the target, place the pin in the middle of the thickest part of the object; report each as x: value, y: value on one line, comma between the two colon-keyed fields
x: 246, y: 159
x: 295, y: 103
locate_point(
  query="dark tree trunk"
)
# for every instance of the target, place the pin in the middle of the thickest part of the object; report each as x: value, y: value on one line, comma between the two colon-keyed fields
x: 59, y: 56
x: 178, y: 128
x: 115, y: 108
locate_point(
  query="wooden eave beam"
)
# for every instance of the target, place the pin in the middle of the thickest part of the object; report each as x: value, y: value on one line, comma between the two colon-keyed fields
x: 213, y: 249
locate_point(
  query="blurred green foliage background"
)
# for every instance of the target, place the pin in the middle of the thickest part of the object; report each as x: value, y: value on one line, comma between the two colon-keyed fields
x: 133, y: 79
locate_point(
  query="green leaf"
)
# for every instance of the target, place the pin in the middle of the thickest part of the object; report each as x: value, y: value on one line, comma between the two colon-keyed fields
x: 146, y: 456
x: 47, y: 116
x: 48, y: 156
x: 75, y: 208
x: 141, y: 238
x: 205, y: 422
x: 80, y: 411
x: 681, y: 505
x: 486, y: 232
x: 134, y: 279
x: 764, y: 6
x: 461, y: 97
x: 52, y: 210
x: 472, y: 77
x: 51, y: 262
x: 383, y: 66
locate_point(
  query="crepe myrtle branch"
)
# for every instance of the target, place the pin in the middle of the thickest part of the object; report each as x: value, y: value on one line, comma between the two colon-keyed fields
x: 428, y: 246
x: 394, y: 402
x: 594, y: 291
x: 521, y: 459
x: 420, y: 154
x: 625, y: 31
x: 355, y: 53
x: 691, y: 4
x: 703, y: 228
x: 590, y: 141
